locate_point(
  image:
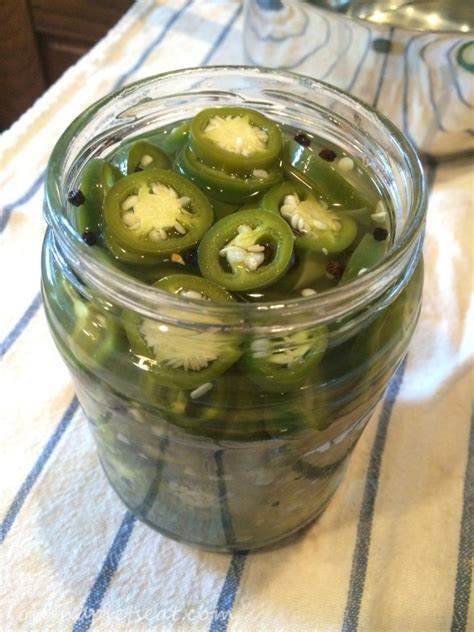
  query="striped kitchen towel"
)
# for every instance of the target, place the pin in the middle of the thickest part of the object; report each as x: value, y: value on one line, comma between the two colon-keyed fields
x: 392, y: 552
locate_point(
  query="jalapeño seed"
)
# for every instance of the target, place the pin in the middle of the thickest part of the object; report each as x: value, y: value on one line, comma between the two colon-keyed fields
x: 380, y: 234
x: 76, y: 197
x: 89, y: 238
x: 327, y: 154
x: 303, y: 140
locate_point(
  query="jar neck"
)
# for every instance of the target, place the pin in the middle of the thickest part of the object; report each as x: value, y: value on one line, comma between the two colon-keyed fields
x: 148, y: 104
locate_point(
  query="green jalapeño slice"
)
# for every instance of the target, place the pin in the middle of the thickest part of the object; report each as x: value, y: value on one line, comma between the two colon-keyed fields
x: 284, y: 362
x: 246, y: 250
x: 156, y: 212
x: 304, y: 163
x: 179, y: 357
x: 314, y: 226
x: 98, y: 178
x: 94, y: 334
x: 223, y: 186
x: 193, y: 287
x: 367, y: 255
x: 236, y: 140
x: 144, y: 155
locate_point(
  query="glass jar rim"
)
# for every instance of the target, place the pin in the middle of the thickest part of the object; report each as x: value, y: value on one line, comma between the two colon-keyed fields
x: 150, y: 302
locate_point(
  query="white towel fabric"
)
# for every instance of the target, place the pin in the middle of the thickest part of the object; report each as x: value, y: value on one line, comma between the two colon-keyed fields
x: 392, y: 552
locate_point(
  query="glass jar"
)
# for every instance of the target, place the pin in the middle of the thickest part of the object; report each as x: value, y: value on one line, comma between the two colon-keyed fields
x: 246, y: 457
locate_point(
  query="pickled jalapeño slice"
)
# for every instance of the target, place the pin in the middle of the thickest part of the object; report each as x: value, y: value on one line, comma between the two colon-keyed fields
x: 98, y: 178
x: 143, y: 155
x: 315, y: 227
x: 193, y: 287
x: 177, y: 356
x: 283, y: 362
x: 156, y: 212
x: 180, y: 357
x: 235, y: 139
x: 246, y: 250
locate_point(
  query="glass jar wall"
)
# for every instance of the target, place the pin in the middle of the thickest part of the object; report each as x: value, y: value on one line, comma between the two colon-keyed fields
x: 247, y: 451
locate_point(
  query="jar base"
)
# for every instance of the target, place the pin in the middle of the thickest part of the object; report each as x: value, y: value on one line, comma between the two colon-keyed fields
x: 275, y: 542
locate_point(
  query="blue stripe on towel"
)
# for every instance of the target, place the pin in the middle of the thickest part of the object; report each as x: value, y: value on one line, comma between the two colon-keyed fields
x: 383, y: 70
x: 226, y: 518
x: 222, y: 35
x: 26, y: 197
x: 225, y: 603
x: 462, y: 591
x: 110, y: 565
x: 340, y: 57
x: 21, y: 325
x: 151, y: 47
x: 37, y: 469
x: 361, y: 63
x: 364, y: 528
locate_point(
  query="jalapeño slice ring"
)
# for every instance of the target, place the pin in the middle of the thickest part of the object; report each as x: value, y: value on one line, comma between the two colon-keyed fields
x: 193, y: 287
x: 156, y: 212
x: 246, y: 250
x: 235, y: 139
x: 222, y: 186
x: 315, y: 227
x: 285, y: 361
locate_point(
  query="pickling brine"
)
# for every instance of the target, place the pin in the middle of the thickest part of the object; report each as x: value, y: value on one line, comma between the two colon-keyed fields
x: 226, y: 291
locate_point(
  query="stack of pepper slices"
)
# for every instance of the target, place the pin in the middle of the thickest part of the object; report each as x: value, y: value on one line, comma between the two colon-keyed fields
x: 230, y: 206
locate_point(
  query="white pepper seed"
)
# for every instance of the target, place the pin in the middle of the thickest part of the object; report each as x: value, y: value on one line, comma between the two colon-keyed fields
x: 260, y: 174
x: 129, y: 202
x: 192, y: 294
x: 345, y: 164
x: 201, y: 390
x: 180, y: 228
x: 154, y: 235
x: 317, y: 223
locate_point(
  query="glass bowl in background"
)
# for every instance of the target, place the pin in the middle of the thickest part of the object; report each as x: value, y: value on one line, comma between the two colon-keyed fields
x: 413, y: 61
x: 239, y: 465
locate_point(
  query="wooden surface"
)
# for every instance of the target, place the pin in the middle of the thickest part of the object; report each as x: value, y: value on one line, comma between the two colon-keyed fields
x: 21, y: 70
x: 39, y: 39
x: 82, y: 20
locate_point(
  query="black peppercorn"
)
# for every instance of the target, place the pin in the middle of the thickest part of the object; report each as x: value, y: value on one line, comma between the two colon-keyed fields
x: 76, y: 197
x: 380, y: 234
x: 334, y: 269
x: 89, y: 238
x: 327, y: 154
x: 303, y: 140
x: 190, y: 257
